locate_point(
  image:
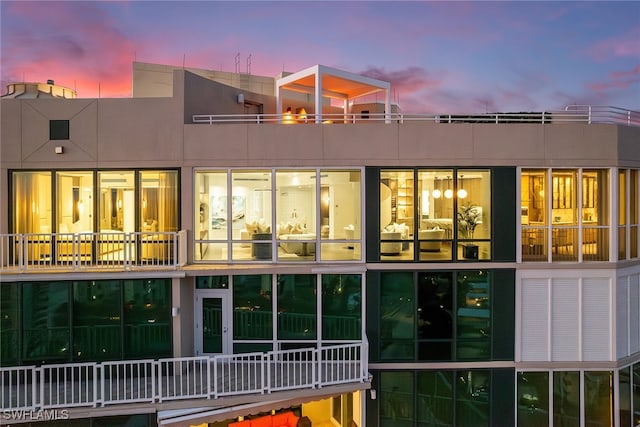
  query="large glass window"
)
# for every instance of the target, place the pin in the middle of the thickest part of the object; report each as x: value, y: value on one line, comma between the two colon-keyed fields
x: 147, y: 318
x: 297, y: 307
x: 599, y: 398
x: 435, y: 398
x: 32, y: 212
x: 74, y: 208
x: 340, y: 212
x: 397, y: 321
x: 86, y: 320
x: 472, y: 398
x: 396, y: 400
x: 159, y: 201
x: 473, y: 203
x: 341, y: 306
x: 211, y: 218
x: 252, y: 222
x: 252, y: 307
x: 566, y: 398
x: 533, y: 399
x: 116, y: 204
x: 439, y: 398
x: 565, y: 213
x: 434, y: 211
x: 97, y: 331
x: 435, y: 311
x: 452, y: 321
x: 635, y: 373
x: 9, y: 323
x: 473, y: 317
x: 45, y: 317
x: 435, y: 214
x: 296, y: 228
x: 308, y: 206
x: 397, y: 214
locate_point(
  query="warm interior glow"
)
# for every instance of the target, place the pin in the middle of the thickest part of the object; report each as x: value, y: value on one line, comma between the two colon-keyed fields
x: 437, y: 193
x: 448, y: 193
x: 462, y: 193
x: 287, y: 118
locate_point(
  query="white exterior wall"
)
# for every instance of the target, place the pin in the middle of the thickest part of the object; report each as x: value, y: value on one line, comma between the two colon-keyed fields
x: 565, y: 315
x: 628, y: 314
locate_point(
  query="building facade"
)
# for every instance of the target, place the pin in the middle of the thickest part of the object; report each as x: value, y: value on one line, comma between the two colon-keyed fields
x: 295, y: 245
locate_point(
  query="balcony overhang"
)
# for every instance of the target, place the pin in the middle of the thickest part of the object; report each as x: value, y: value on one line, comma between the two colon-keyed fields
x: 326, y: 82
x: 263, y: 403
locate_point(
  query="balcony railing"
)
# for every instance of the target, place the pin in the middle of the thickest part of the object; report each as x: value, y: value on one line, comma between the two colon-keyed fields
x: 96, y: 384
x: 89, y: 251
x: 571, y: 114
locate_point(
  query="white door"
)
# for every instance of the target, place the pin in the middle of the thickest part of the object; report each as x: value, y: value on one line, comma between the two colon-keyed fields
x: 212, y: 323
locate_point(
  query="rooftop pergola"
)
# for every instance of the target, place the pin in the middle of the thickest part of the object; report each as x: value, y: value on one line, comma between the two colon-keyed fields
x: 326, y: 82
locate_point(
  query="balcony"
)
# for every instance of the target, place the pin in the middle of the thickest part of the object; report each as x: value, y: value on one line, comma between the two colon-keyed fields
x: 223, y: 380
x: 23, y: 253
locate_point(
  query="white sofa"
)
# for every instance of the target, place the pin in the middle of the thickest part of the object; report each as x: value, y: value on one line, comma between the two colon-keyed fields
x: 432, y: 237
x: 291, y: 243
x: 390, y: 248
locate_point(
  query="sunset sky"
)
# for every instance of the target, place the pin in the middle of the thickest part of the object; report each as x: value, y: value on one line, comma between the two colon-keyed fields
x: 449, y: 56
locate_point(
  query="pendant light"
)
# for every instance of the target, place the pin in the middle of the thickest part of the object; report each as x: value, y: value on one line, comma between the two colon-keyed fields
x: 448, y: 193
x: 462, y: 193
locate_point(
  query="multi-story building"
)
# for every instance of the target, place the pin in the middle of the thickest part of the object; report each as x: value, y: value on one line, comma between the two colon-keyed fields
x: 228, y: 249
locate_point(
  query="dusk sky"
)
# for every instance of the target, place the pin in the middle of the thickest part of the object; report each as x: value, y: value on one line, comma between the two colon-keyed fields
x: 448, y: 56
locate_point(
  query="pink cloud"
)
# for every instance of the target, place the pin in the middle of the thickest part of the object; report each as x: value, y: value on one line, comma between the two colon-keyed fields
x: 617, y: 80
x: 74, y: 43
x: 626, y: 45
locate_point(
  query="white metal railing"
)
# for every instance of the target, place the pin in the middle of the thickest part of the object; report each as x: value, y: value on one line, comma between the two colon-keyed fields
x: 101, y: 250
x: 570, y: 114
x: 99, y: 384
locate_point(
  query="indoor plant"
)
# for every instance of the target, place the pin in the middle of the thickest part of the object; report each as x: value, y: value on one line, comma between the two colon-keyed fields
x: 469, y: 216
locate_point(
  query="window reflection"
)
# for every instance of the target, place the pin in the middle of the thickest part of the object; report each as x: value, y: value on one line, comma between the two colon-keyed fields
x: 341, y: 306
x: 533, y: 399
x: 566, y: 398
x: 297, y: 306
x: 397, y: 324
x: 252, y: 307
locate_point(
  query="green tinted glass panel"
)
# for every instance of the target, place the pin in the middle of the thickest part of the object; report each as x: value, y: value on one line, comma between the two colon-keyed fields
x: 566, y: 399
x: 341, y: 306
x: 396, y: 399
x: 435, y: 398
x: 252, y: 307
x: 297, y: 306
x: 397, y: 322
x: 97, y: 330
x: 533, y: 399
x: 598, y: 397
x: 239, y: 348
x: 212, y: 325
x: 9, y: 316
x: 45, y: 308
x: 472, y: 398
x: 212, y: 282
x: 147, y: 318
x: 435, y: 319
x: 473, y: 315
x: 636, y: 394
x: 625, y: 396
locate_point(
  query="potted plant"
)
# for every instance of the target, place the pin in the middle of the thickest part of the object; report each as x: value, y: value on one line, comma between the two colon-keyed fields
x: 469, y: 216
